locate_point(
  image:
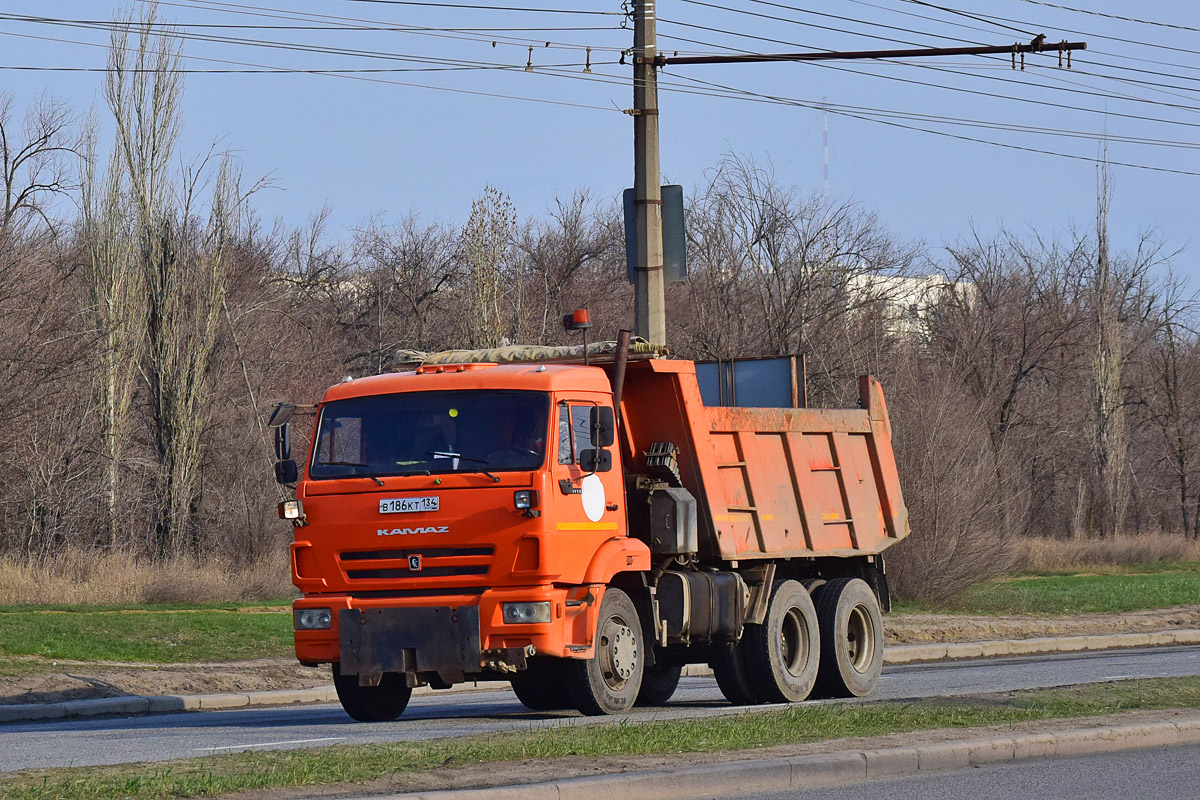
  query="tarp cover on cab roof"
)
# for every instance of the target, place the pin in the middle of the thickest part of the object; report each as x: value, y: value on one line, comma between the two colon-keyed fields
x: 597, y: 351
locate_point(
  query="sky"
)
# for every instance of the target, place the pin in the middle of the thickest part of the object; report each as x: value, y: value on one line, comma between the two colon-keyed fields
x: 456, y: 100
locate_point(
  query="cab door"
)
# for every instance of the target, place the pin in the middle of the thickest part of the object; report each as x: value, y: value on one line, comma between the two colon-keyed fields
x: 588, y: 505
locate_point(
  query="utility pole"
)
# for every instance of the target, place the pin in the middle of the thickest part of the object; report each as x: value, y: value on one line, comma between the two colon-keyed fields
x: 650, y: 304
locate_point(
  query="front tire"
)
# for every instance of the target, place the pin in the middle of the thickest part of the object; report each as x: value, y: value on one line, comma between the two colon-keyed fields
x: 851, y: 626
x: 541, y: 686
x: 608, y: 683
x: 783, y: 653
x: 382, y: 703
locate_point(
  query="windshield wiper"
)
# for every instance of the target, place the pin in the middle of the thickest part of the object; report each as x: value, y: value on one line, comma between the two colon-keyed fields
x: 461, y: 457
x: 360, y: 469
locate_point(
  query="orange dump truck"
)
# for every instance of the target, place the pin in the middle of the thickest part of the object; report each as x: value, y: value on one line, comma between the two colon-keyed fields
x: 584, y: 532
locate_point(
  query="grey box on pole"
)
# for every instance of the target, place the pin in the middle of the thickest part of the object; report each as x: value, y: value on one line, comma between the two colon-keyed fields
x: 674, y: 236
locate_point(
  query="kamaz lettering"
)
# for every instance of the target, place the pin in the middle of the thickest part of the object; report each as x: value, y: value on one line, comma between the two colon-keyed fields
x: 410, y: 531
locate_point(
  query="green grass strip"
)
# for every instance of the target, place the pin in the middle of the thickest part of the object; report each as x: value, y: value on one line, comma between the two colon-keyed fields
x: 351, y: 764
x: 155, y: 636
x: 1057, y: 594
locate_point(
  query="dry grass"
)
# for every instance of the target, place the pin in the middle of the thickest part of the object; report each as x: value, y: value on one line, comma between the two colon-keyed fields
x: 1037, y: 555
x: 84, y: 578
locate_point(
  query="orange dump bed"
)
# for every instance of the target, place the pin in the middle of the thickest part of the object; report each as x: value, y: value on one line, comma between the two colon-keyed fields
x: 771, y: 482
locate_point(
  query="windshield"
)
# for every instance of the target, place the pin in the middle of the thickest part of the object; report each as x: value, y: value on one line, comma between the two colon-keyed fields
x: 429, y: 433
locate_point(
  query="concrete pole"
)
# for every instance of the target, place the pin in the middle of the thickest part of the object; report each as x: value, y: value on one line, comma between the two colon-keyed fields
x: 649, y: 311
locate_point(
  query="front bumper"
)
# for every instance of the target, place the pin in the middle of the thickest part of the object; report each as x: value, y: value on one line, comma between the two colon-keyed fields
x: 414, y: 635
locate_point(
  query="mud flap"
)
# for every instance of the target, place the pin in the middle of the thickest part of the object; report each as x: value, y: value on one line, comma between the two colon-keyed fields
x: 408, y: 640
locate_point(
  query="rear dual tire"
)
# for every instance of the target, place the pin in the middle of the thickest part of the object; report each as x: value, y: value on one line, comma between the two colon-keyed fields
x: 851, y: 626
x: 775, y: 661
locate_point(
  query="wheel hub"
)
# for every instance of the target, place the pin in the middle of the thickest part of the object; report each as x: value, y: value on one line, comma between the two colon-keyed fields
x: 860, y: 639
x: 794, y: 642
x: 618, y: 653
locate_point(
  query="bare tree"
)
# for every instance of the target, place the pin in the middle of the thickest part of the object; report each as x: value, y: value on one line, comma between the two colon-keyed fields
x: 1169, y: 391
x: 34, y: 164
x: 772, y: 273
x: 561, y: 253
x: 408, y: 269
x: 182, y: 260
x: 492, y: 282
x: 116, y: 290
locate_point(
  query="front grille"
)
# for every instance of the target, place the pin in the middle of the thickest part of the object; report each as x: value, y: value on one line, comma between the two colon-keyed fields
x: 424, y: 572
x: 436, y: 562
x: 401, y: 594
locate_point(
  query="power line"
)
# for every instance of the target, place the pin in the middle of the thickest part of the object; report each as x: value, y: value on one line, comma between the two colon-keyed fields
x: 985, y: 19
x: 242, y: 9
x: 991, y: 19
x: 1103, y: 94
x: 961, y: 137
x: 169, y: 31
x: 1113, y: 16
x: 357, y: 77
x: 489, y: 8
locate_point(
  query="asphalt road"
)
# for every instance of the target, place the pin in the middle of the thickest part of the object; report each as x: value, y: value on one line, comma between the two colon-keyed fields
x: 90, y: 741
x: 1167, y: 772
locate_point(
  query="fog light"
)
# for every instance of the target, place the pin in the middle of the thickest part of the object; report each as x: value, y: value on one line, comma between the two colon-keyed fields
x: 313, y: 619
x: 518, y: 613
x: 291, y: 509
x: 525, y: 499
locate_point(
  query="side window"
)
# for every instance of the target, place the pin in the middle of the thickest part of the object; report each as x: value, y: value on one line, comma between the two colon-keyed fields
x: 581, y: 428
x: 565, y: 455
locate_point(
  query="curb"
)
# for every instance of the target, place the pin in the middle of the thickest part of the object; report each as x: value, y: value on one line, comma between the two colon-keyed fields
x: 907, y: 654
x: 902, y: 654
x: 834, y: 769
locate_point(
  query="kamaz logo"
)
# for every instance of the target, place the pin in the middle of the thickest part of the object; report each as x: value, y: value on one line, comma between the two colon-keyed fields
x: 410, y: 531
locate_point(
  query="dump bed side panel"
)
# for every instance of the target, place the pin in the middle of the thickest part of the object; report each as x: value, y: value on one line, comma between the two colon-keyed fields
x: 776, y: 482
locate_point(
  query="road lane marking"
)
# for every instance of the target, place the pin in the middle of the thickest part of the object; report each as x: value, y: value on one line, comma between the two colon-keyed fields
x: 272, y: 744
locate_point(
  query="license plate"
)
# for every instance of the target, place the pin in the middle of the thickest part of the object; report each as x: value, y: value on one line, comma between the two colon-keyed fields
x: 407, y: 505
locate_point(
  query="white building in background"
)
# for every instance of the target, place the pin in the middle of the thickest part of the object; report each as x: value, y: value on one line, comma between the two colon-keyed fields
x: 907, y: 301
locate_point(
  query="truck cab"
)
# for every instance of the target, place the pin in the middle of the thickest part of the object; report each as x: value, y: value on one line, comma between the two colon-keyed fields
x: 458, y: 521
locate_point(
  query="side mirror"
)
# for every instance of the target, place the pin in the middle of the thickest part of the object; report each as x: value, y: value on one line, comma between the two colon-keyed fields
x: 286, y: 471
x: 283, y: 442
x: 604, y: 429
x: 595, y: 460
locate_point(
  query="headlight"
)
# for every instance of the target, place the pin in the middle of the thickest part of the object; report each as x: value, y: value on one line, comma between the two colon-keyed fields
x: 525, y: 499
x: 291, y: 509
x: 517, y: 613
x: 313, y: 619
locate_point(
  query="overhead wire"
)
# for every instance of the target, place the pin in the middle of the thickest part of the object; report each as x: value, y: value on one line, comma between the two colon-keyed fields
x: 865, y: 117
x: 268, y: 12
x: 1154, y: 86
x: 1089, y: 90
x: 481, y: 7
x: 884, y: 116
x: 991, y: 19
x: 351, y: 76
x: 1095, y: 13
x: 976, y: 140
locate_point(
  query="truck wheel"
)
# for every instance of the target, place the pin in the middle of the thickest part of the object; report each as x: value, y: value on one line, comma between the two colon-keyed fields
x: 382, y: 703
x: 608, y: 683
x: 658, y: 684
x: 728, y: 662
x: 851, y: 628
x: 541, y: 686
x: 783, y: 653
